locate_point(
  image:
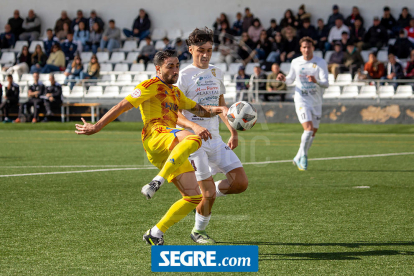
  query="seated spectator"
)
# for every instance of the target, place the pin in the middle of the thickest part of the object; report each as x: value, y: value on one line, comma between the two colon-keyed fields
x: 62, y: 20
x: 95, y: 19
x: 352, y: 59
x: 147, y: 52
x: 247, y: 20
x: 291, y: 49
x: 36, y: 90
x: 404, y: 19
x: 402, y: 46
x: 388, y: 22
x: 62, y: 34
x: 74, y: 26
x: 22, y: 64
x: 394, y: 70
x: 350, y: 20
x: 56, y: 61
x: 302, y: 15
x: 238, y: 25
x: 141, y: 26
x: 376, y: 36
x: 227, y: 50
x: 410, y: 31
x: 257, y: 79
x: 111, y: 37
x: 335, y: 34
x: 181, y: 49
x: 307, y: 30
x: 334, y: 16
x: 95, y: 38
x: 288, y: 20
x: 336, y: 60
x: 49, y: 41
x: 69, y: 48
x: 31, y: 27
x: 73, y: 72
x: 225, y: 32
x: 52, y: 98
x: 220, y: 20
x: 81, y: 36
x: 245, y: 49
x: 11, y: 98
x: 7, y: 38
x: 93, y: 69
x: 38, y: 60
x: 255, y: 30
x: 374, y: 67
x: 357, y: 34
x: 264, y: 46
x: 344, y: 40
x: 242, y: 80
x: 273, y: 29
x: 278, y: 47
x: 273, y: 85
x: 322, y: 33
x: 16, y: 24
x: 409, y: 69
x: 167, y: 44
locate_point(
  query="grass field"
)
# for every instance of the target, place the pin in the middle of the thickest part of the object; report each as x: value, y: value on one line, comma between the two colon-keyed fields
x: 310, y: 223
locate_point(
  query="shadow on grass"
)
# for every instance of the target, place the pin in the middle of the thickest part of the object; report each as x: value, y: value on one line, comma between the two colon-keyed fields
x: 349, y: 245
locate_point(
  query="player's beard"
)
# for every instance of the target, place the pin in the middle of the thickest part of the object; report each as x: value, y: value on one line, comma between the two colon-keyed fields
x: 171, y: 79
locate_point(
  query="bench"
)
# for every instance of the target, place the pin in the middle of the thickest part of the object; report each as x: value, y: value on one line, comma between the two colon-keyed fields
x: 65, y: 114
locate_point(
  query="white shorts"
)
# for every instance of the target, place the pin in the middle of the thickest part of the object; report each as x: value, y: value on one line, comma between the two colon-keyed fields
x: 308, y: 113
x: 214, y: 156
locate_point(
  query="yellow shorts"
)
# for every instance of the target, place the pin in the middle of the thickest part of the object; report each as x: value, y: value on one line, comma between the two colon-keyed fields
x: 157, y: 146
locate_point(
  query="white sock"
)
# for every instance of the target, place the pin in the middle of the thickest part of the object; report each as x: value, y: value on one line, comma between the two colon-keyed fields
x: 218, y: 192
x: 309, y: 145
x: 156, y: 232
x: 306, y: 136
x: 159, y: 178
x: 201, y: 222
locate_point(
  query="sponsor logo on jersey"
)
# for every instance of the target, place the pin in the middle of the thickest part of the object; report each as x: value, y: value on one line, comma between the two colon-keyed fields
x: 213, y: 71
x: 136, y: 93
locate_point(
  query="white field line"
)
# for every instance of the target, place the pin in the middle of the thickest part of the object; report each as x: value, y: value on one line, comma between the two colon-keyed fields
x: 248, y: 163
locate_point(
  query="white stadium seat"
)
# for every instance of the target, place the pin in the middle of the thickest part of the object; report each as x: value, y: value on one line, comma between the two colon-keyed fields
x: 158, y: 34
x: 150, y: 68
x: 234, y: 68
x: 285, y: 67
x: 106, y: 67
x: 142, y: 43
x: 365, y: 55
x: 124, y: 78
x: 318, y: 54
x: 172, y: 34
x: 159, y: 45
x: 23, y: 92
x: 215, y: 57
x: 403, y: 92
x: 126, y: 90
x: 221, y: 66
x: 343, y: 79
x: 94, y: 92
x: 108, y: 78
x: 121, y: 67
x: 19, y: 45
x: 7, y: 58
x: 44, y: 77
x: 102, y: 57
x: 27, y: 77
x: 131, y: 57
x: 328, y: 56
x: 117, y: 57
x: 33, y: 45
x: 86, y: 56
x: 368, y: 92
x: 382, y: 56
x: 65, y: 91
x: 77, y: 92
x: 332, y: 92
x: 60, y: 78
x: 140, y: 78
x: 85, y: 66
x: 249, y: 68
x: 331, y: 79
x: 111, y: 92
x: 349, y: 92
x: 129, y: 46
x: 386, y: 91
x: 137, y: 67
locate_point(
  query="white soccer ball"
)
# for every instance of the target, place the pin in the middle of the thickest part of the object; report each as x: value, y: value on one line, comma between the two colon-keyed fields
x: 242, y: 116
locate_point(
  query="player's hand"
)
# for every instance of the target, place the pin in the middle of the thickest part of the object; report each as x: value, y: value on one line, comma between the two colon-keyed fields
x: 233, y: 141
x: 220, y: 110
x: 202, y: 132
x: 281, y: 77
x: 86, y: 128
x: 311, y: 79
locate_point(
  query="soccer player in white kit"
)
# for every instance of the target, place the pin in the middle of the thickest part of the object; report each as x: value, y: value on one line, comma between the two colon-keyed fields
x: 311, y: 76
x: 203, y: 83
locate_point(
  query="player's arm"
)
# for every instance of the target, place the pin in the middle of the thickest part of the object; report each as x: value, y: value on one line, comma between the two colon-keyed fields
x: 208, y: 111
x: 290, y: 78
x: 199, y: 130
x: 323, y: 76
x: 234, y: 138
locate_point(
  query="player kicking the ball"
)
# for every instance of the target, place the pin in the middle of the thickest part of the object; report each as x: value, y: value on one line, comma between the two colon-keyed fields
x: 203, y: 83
x: 311, y: 75
x: 167, y: 147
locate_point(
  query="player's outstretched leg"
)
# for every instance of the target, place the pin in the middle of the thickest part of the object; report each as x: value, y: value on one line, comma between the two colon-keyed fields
x: 301, y: 158
x: 235, y: 183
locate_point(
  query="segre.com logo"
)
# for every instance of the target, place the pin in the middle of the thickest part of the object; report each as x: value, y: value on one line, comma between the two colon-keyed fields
x: 193, y: 258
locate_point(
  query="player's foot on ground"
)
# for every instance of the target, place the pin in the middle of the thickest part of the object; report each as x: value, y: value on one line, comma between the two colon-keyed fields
x: 16, y: 121
x: 201, y: 237
x: 151, y: 240
x: 304, y: 162
x: 150, y: 189
x: 297, y: 163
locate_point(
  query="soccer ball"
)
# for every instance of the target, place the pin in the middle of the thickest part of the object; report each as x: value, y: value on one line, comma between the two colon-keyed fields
x: 242, y: 116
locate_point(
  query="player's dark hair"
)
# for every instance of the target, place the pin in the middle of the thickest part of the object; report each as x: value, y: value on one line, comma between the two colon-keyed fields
x: 10, y: 76
x: 200, y: 36
x: 306, y: 39
x: 161, y: 56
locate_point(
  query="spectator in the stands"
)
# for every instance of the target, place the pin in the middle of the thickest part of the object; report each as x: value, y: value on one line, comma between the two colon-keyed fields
x: 393, y: 71
x: 94, y: 18
x: 335, y: 33
x: 357, y: 34
x: 140, y: 27
x: 53, y: 97
x: 238, y: 25
x: 81, y: 36
x: 409, y: 69
x: 291, y: 49
x: 167, y: 44
x: 388, y: 21
x: 111, y: 37
x: 31, y: 27
x: 7, y: 39
x: 62, y: 34
x: 352, y: 59
x: 221, y: 28
x: 93, y: 69
x: 344, y: 40
x: 322, y: 33
x: 264, y: 46
x: 404, y: 19
x: 16, y: 24
x: 62, y: 20
x: 22, y: 64
x: 242, y: 80
x: 273, y: 29
x: 181, y: 49
x: 11, y: 98
x: 73, y: 72
x: 278, y: 47
x: 410, y: 31
x: 79, y: 18
x: 245, y: 49
x: 374, y: 67
x: 255, y: 30
x: 147, y: 52
x: 69, y: 48
x: 376, y: 36
x: 94, y: 39
x: 247, y: 20
x: 307, y: 30
x: 402, y: 46
x: 227, y: 50
x: 256, y: 80
x: 336, y: 60
x: 56, y: 61
x: 288, y: 20
x: 350, y: 20
x: 36, y: 90
x: 38, y: 60
x: 49, y: 41
x: 302, y: 15
x: 225, y: 32
x: 220, y: 20
x: 334, y: 16
x: 273, y: 85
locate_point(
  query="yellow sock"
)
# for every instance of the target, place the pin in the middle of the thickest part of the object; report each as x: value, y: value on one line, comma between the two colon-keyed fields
x: 179, y: 154
x: 178, y: 211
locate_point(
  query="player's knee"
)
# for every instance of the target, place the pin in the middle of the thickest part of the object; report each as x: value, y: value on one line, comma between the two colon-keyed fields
x: 242, y: 185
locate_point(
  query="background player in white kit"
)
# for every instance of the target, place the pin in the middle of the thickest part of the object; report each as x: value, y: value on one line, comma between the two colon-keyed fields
x: 311, y: 76
x: 203, y: 83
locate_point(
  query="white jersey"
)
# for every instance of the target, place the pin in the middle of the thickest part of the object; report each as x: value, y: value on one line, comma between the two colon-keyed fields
x: 306, y: 92
x: 204, y: 86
